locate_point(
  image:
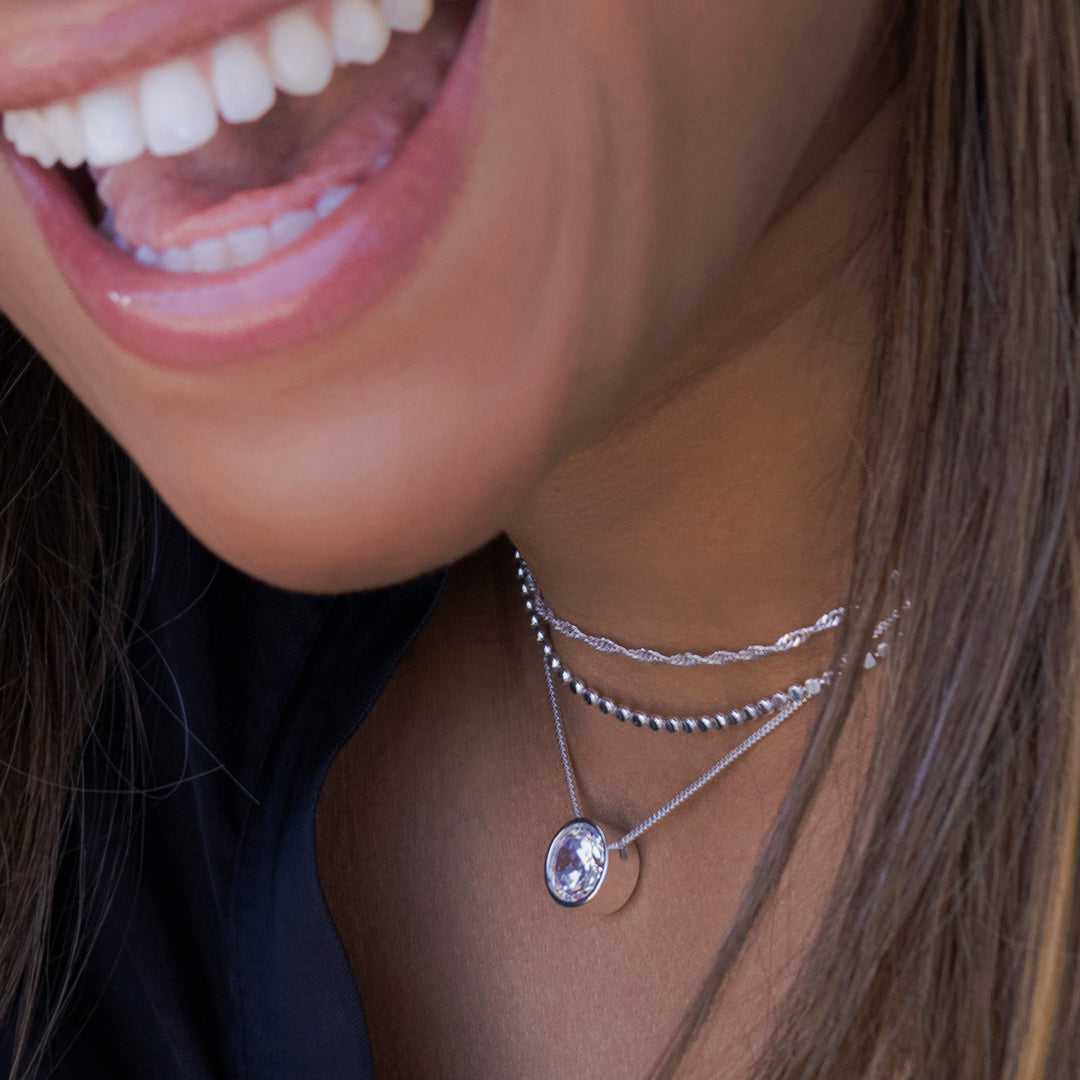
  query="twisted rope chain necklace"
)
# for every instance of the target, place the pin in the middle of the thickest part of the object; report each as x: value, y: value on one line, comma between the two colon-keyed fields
x: 785, y: 643
x: 585, y: 864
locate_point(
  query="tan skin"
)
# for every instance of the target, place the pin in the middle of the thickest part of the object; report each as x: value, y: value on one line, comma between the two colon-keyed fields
x: 467, y: 975
x: 657, y: 398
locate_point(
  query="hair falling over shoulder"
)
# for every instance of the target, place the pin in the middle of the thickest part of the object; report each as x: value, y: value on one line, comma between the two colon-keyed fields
x: 68, y: 527
x: 950, y: 946
x: 951, y: 942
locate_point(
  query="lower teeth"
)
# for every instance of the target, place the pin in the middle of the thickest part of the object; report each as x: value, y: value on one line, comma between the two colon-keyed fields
x: 242, y: 247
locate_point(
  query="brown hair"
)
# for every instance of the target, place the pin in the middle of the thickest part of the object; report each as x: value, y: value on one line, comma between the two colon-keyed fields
x: 950, y: 946
x: 68, y: 523
x: 951, y: 943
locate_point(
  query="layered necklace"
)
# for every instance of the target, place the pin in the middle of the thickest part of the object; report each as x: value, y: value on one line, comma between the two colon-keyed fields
x: 591, y: 863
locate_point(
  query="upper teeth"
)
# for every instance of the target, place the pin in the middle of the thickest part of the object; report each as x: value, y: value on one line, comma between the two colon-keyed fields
x: 176, y: 107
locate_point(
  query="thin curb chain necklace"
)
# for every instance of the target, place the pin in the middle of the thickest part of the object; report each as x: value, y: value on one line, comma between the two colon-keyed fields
x: 585, y: 863
x: 582, y: 865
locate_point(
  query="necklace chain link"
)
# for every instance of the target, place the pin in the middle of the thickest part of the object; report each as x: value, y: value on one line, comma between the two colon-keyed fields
x: 768, y: 706
x: 785, y: 643
x: 687, y: 792
x: 777, y: 708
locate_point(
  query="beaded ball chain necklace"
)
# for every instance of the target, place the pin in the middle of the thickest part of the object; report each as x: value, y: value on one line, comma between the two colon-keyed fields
x: 587, y: 861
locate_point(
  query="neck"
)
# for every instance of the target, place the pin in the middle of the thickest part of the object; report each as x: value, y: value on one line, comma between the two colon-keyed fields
x: 719, y: 507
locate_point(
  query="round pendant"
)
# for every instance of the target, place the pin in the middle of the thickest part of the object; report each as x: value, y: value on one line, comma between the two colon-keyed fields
x: 579, y: 869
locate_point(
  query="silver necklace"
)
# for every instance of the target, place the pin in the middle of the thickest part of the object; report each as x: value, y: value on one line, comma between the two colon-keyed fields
x: 539, y: 614
x: 582, y: 865
x: 756, y: 710
x: 785, y: 643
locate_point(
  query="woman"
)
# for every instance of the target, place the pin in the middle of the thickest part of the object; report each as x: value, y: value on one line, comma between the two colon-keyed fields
x: 728, y: 315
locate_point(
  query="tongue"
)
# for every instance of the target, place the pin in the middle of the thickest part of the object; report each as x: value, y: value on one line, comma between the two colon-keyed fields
x: 251, y: 174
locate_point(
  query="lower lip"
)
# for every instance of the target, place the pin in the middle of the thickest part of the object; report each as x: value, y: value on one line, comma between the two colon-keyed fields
x: 330, y: 276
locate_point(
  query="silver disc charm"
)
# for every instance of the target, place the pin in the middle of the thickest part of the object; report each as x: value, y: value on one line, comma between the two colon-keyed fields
x: 579, y: 869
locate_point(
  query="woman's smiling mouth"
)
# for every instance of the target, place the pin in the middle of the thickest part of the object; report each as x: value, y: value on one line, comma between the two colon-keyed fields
x: 258, y: 188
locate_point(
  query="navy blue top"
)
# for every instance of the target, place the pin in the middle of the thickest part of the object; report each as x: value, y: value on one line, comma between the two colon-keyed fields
x: 218, y: 957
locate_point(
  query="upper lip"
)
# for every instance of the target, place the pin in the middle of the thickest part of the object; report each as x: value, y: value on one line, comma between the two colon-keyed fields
x: 67, y: 47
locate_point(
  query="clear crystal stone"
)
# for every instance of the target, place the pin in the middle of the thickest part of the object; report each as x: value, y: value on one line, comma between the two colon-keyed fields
x: 576, y: 861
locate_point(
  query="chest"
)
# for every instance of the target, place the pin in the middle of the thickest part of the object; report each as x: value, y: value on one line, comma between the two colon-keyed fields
x: 433, y: 827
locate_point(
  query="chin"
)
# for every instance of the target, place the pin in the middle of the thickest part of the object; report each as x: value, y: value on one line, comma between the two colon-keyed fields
x: 348, y: 278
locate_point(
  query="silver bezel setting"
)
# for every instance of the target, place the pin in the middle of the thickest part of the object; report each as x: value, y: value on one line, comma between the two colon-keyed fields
x: 558, y: 895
